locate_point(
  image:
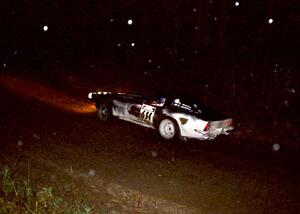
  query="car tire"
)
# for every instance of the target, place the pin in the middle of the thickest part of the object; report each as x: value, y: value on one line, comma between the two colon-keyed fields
x: 104, y: 112
x: 168, y: 129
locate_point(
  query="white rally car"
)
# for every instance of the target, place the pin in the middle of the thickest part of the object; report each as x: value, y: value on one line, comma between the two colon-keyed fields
x: 172, y: 116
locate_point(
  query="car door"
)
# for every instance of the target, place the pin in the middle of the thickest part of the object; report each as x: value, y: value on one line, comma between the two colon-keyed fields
x: 147, y: 113
x: 150, y: 108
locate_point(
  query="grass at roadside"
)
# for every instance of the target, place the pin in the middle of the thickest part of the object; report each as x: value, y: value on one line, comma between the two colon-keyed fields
x: 24, y: 196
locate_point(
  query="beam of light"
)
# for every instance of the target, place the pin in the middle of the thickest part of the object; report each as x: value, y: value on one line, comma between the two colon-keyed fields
x: 30, y: 89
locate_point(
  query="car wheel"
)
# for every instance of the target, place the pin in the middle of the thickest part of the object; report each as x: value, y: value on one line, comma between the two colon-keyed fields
x: 168, y: 129
x: 104, y: 112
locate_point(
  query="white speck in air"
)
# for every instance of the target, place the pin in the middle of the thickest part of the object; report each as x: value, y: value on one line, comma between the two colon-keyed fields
x: 275, y: 147
x: 154, y: 154
x: 92, y: 173
x: 53, y: 178
x: 270, y: 21
x: 129, y: 22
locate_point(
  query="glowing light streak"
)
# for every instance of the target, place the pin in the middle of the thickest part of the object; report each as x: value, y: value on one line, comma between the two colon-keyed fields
x: 30, y: 89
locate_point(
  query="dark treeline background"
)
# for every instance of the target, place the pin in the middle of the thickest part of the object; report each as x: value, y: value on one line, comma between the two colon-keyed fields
x: 228, y: 55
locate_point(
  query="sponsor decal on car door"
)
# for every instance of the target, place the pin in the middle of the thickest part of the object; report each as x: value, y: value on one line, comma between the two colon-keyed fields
x: 147, y: 113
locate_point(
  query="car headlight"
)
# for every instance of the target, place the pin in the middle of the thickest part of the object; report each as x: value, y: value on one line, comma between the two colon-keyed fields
x: 90, y: 95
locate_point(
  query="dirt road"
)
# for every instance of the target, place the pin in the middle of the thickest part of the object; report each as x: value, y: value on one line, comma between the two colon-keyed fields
x: 123, y: 168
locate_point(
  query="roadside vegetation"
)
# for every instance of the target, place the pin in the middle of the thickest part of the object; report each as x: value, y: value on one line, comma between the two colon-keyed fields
x: 24, y: 196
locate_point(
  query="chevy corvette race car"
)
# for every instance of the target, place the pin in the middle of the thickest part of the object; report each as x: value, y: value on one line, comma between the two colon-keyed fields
x: 172, y: 116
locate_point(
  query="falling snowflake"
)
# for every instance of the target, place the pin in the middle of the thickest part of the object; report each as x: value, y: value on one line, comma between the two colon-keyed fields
x: 275, y: 147
x: 276, y: 68
x: 92, y: 173
x: 292, y: 91
x: 20, y: 143
x: 45, y: 28
x: 53, y: 178
x: 154, y: 154
x: 35, y: 136
x: 237, y: 3
x: 270, y: 21
x: 129, y: 22
x: 132, y: 44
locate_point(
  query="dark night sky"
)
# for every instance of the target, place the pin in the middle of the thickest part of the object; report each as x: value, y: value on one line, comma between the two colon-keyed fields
x: 165, y: 33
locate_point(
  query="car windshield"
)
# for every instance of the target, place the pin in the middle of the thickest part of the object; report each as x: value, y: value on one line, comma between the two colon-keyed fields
x: 190, y: 106
x: 157, y: 101
x: 199, y: 110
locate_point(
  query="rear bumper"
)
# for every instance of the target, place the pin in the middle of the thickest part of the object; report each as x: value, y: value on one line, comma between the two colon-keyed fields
x: 212, y: 134
x: 226, y: 130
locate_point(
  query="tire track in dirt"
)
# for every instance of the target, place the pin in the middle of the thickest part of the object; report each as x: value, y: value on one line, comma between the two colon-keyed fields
x: 126, y: 200
x: 118, y: 199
